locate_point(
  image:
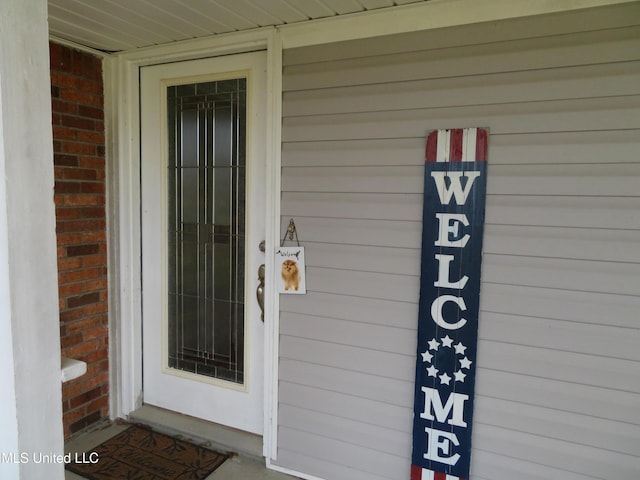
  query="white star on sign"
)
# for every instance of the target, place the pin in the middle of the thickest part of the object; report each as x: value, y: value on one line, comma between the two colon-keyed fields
x: 459, y: 376
x: 445, y: 379
x: 426, y: 356
x: 432, y: 371
x: 433, y: 344
x: 446, y: 341
x: 465, y: 363
x: 460, y: 348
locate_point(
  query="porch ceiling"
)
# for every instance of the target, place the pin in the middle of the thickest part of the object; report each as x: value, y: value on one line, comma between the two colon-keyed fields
x: 116, y: 25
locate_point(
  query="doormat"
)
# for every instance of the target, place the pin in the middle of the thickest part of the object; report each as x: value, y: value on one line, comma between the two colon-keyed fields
x: 139, y: 453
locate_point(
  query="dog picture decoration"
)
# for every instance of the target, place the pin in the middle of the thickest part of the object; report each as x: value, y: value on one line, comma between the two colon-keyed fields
x: 290, y: 264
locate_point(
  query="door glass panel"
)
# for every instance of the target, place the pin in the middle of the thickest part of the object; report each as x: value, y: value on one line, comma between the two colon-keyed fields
x: 206, y: 228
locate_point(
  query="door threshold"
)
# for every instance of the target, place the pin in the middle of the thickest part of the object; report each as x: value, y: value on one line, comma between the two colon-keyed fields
x: 219, y: 436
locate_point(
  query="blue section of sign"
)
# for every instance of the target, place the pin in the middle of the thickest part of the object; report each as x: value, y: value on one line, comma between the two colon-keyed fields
x: 453, y: 224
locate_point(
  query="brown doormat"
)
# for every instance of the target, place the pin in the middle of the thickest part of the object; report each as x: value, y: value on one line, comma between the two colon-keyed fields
x: 139, y: 453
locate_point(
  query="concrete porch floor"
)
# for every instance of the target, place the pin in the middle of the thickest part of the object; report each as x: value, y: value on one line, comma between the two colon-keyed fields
x: 246, y: 465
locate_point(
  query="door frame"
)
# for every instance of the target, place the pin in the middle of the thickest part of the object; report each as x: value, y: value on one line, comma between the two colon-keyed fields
x: 124, y: 217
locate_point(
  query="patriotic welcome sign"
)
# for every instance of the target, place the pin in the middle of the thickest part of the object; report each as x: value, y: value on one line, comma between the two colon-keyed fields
x: 453, y: 220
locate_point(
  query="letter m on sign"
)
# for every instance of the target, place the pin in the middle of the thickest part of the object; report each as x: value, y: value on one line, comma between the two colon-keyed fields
x: 455, y: 180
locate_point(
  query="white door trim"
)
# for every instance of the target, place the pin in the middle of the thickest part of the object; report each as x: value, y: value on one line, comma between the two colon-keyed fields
x: 124, y: 203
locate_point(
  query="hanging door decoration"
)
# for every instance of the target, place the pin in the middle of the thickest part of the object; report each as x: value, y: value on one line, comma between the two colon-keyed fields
x: 291, y: 264
x: 453, y: 222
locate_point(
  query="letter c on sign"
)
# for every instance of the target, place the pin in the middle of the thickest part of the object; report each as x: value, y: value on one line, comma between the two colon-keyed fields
x: 436, y: 311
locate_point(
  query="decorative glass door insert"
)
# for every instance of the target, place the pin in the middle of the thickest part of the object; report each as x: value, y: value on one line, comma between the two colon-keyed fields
x: 206, y: 228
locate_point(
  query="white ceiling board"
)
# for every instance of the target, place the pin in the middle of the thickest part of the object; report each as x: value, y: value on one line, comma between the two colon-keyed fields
x: 313, y: 8
x: 114, y: 25
x: 342, y: 7
x: 375, y: 4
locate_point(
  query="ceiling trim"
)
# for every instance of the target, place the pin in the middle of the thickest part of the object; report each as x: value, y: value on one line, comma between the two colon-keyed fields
x: 424, y: 16
x: 77, y: 46
x: 221, y: 44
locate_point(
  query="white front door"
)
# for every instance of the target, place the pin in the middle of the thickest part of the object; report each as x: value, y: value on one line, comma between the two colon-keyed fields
x: 203, y: 199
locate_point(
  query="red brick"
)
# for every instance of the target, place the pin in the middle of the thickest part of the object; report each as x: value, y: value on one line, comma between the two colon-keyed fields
x: 83, y: 348
x: 70, y: 340
x: 82, y: 300
x: 68, y: 238
x: 80, y: 275
x: 62, y: 187
x: 85, y: 249
x: 65, y: 264
x: 60, y: 132
x: 78, y: 148
x: 84, y: 199
x: 93, y: 187
x: 81, y: 325
x: 85, y: 397
x: 92, y: 261
x: 98, y: 404
x: 90, y: 112
x: 93, y: 237
x: 82, y: 225
x: 99, y: 284
x: 63, y: 80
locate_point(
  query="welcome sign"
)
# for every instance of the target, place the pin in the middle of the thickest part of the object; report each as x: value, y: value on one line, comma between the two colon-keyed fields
x: 453, y: 222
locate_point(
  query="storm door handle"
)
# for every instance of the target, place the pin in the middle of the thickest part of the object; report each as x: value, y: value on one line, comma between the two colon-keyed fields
x: 260, y: 290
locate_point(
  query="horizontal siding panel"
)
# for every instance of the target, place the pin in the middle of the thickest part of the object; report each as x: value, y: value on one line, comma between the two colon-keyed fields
x: 577, y: 275
x: 499, y: 88
x: 490, y: 466
x: 373, y: 311
x: 382, y: 339
x: 608, y: 146
x: 380, y: 180
x: 602, y: 147
x: 581, y: 180
x: 617, y: 113
x: 575, y: 337
x: 590, y: 400
x: 343, y: 405
x: 319, y: 467
x: 562, y: 211
x: 357, y: 384
x: 541, y: 53
x: 570, y: 179
x: 570, y: 427
x: 379, y: 233
x: 558, y: 454
x: 398, y: 261
x: 383, y: 363
x: 617, y: 213
x: 345, y: 454
x: 570, y: 243
x: 572, y: 306
x: 384, y: 286
x: 578, y: 22
x: 558, y: 365
x: 361, y: 434
x: 353, y: 153
x: 372, y: 206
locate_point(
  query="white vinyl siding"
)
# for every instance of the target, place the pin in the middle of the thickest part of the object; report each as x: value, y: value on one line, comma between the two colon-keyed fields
x: 558, y: 379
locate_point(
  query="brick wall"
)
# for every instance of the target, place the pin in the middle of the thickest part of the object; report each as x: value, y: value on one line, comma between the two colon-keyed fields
x: 79, y: 158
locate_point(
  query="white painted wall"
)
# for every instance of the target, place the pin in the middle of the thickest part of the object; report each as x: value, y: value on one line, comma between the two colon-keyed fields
x: 30, y: 397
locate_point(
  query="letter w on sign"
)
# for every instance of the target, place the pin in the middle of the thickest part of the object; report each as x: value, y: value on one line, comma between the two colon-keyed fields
x: 452, y: 229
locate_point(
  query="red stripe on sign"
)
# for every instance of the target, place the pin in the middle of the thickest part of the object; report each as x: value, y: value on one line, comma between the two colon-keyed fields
x: 482, y: 145
x: 454, y: 152
x: 431, y: 150
x: 439, y: 476
x: 455, y: 146
x: 416, y: 472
